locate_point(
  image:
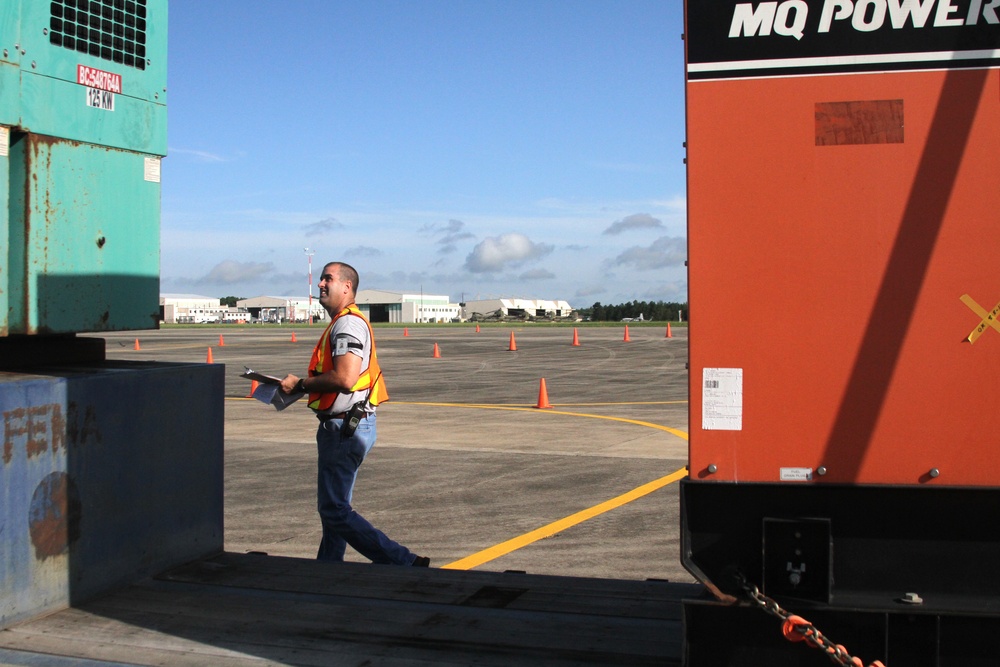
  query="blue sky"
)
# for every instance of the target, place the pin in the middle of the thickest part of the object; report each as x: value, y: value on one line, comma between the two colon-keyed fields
x: 474, y: 148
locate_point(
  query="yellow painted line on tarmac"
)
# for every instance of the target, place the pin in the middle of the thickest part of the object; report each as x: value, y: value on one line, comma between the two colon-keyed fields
x: 504, y: 548
x: 674, y: 431
x: 516, y: 543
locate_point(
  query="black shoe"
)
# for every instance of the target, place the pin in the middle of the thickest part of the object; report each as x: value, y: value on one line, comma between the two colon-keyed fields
x: 421, y: 561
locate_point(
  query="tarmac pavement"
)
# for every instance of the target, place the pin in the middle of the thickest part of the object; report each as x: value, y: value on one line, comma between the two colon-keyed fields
x: 464, y: 459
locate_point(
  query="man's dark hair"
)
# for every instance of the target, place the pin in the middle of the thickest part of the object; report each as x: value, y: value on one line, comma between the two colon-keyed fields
x: 346, y: 273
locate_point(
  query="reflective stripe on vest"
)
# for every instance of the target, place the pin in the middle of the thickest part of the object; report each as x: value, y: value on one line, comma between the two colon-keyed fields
x: 323, y: 353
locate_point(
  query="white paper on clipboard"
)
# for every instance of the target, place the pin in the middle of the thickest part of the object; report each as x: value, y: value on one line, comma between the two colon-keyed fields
x: 269, y: 390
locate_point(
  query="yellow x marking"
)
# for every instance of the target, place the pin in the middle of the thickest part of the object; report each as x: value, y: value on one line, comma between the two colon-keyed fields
x: 989, y: 319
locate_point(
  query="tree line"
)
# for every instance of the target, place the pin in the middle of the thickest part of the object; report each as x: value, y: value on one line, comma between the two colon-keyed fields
x: 667, y: 311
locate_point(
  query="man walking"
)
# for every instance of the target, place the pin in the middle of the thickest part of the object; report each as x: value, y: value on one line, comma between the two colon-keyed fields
x: 345, y: 385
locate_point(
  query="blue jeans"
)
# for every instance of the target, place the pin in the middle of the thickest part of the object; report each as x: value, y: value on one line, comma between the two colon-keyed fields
x: 339, y: 460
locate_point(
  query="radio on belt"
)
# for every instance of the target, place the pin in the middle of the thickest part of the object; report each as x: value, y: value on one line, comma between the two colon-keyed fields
x: 352, y: 419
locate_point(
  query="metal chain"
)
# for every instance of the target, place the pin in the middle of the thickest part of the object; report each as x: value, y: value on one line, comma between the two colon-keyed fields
x: 796, y: 628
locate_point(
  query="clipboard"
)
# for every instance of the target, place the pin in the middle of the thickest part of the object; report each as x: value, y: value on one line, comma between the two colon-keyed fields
x: 251, y: 374
x: 269, y: 390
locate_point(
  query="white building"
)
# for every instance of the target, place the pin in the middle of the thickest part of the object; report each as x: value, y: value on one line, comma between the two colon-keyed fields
x: 197, y: 309
x: 377, y: 305
x: 282, y: 308
x: 383, y: 306
x: 528, y: 309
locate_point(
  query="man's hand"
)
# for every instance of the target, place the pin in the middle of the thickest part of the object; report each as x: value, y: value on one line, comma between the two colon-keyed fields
x: 344, y: 374
x: 288, y: 383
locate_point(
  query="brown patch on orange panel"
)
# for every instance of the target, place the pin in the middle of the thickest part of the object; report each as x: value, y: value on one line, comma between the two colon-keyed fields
x: 871, y: 122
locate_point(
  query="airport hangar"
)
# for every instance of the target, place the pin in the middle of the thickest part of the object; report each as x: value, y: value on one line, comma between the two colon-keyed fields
x: 377, y: 305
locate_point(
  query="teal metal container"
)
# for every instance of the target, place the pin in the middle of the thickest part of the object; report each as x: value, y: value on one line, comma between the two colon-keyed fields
x: 82, y: 131
x: 109, y: 472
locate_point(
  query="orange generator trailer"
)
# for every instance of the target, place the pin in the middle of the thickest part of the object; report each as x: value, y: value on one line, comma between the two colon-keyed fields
x: 844, y: 230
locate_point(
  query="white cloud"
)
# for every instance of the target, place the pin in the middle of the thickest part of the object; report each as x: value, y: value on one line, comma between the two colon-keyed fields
x: 323, y: 227
x: 395, y: 281
x: 199, y: 156
x: 537, y: 274
x: 636, y: 221
x: 231, y: 272
x: 362, y: 251
x: 507, y: 250
x: 664, y: 252
x: 592, y: 290
x: 677, y: 204
x: 451, y: 233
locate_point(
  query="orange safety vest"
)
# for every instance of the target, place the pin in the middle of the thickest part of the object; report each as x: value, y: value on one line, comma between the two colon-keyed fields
x: 322, y: 359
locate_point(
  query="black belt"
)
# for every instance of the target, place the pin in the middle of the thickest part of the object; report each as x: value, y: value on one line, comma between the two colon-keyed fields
x: 339, y: 415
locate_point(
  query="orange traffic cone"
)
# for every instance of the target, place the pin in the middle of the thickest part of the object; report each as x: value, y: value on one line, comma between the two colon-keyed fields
x: 543, y: 397
x: 576, y: 338
x: 627, y: 339
x: 669, y: 335
x: 294, y: 339
x: 437, y: 352
x: 513, y: 345
x: 222, y: 343
x: 253, y: 388
x: 477, y: 328
x: 136, y: 344
x: 208, y: 360
x: 406, y: 332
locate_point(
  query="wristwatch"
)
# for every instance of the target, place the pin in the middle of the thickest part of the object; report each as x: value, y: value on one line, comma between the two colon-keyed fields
x: 300, y: 386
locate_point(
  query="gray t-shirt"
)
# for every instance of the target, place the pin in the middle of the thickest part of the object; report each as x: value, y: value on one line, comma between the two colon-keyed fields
x: 350, y: 336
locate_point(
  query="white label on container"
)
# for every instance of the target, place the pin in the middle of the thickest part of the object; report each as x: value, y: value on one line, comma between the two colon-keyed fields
x: 722, y: 399
x: 795, y: 474
x: 100, y: 99
x: 4, y: 141
x: 152, y: 170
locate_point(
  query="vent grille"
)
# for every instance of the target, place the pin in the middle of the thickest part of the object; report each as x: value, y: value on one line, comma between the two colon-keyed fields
x: 110, y: 29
